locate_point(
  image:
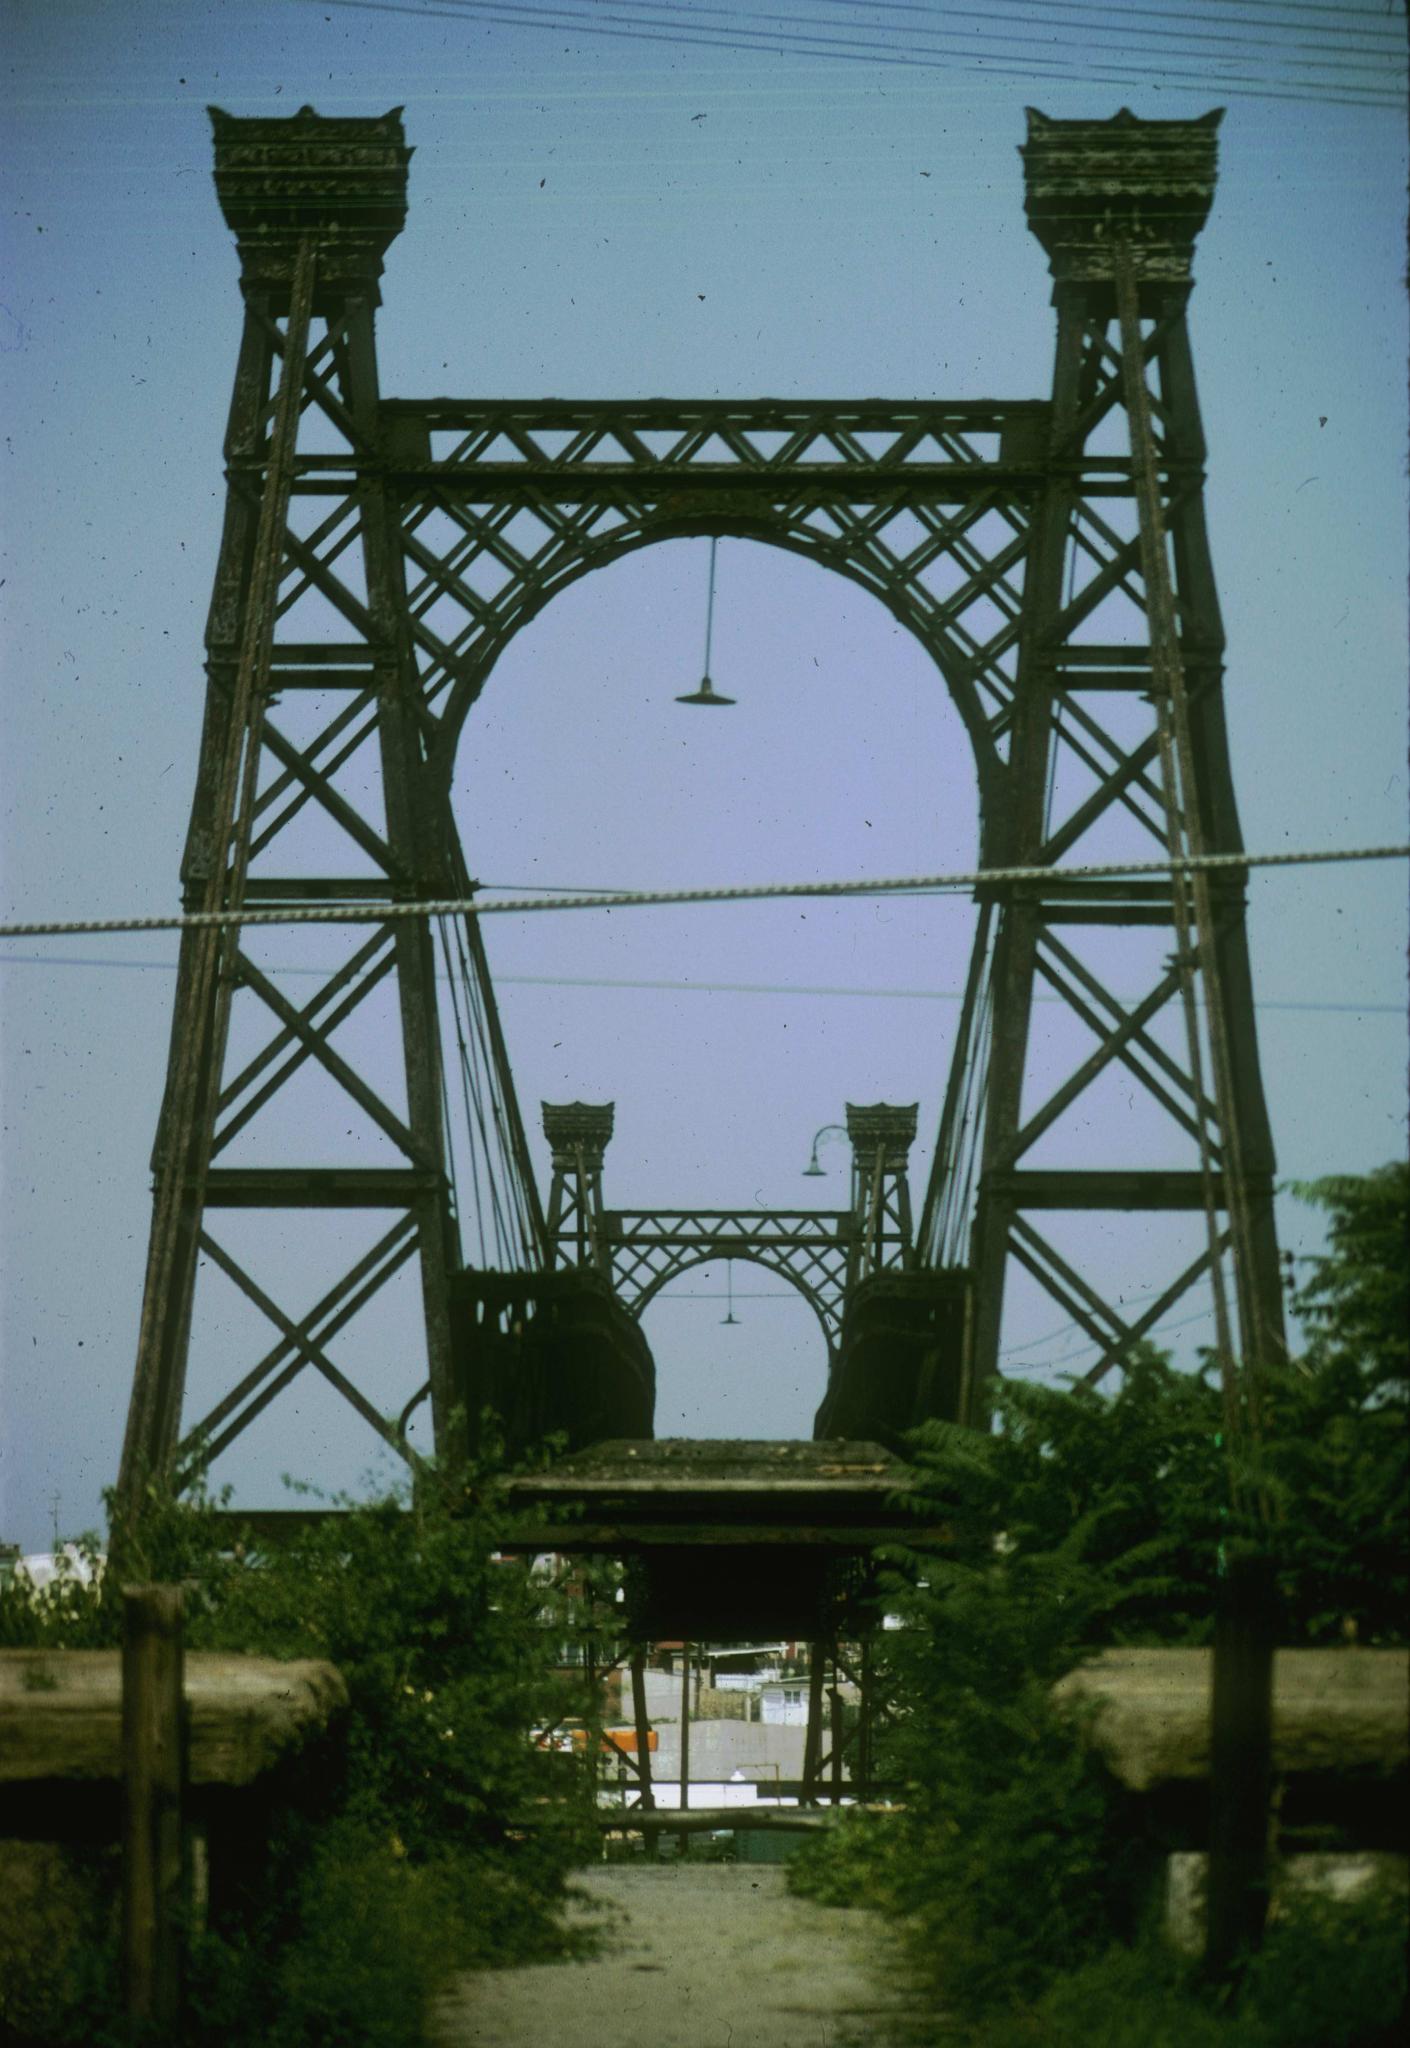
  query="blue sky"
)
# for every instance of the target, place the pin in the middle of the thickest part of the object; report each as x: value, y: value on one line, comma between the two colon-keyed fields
x: 609, y: 215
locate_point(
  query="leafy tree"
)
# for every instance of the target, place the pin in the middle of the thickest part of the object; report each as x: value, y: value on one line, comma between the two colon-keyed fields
x: 1090, y: 1518
x: 399, y: 1851
x: 1336, y: 1453
x: 1356, y: 1305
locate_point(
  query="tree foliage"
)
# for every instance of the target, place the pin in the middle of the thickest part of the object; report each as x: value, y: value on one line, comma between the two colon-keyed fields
x: 1088, y: 1518
x: 400, y: 1851
x: 1355, y: 1306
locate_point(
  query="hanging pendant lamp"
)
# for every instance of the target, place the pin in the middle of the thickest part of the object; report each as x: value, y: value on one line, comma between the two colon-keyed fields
x: 707, y: 693
x: 729, y: 1317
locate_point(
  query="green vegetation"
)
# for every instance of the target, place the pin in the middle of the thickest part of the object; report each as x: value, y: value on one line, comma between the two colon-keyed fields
x: 1326, y: 1977
x: 1089, y: 1519
x: 396, y: 1858
x: 1085, y: 1519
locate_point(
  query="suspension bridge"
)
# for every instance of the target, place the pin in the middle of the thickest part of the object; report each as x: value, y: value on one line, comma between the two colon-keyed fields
x: 379, y: 554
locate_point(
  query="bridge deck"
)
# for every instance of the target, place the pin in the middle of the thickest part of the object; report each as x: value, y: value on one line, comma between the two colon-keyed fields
x: 625, y: 1497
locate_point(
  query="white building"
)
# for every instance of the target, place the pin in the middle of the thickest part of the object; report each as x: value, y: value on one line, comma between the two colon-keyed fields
x: 783, y: 1703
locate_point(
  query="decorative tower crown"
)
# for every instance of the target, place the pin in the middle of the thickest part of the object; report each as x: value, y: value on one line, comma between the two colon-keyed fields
x: 341, y: 181
x: 1090, y: 184
x: 883, y: 1123
x: 573, y: 1126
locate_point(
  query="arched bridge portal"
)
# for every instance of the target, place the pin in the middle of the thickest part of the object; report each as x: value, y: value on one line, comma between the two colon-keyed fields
x: 824, y: 1253
x: 377, y: 556
x: 811, y: 1248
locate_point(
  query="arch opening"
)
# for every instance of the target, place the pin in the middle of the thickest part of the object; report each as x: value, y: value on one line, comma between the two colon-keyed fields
x: 762, y: 1377
x: 949, y: 645
x: 725, y: 1035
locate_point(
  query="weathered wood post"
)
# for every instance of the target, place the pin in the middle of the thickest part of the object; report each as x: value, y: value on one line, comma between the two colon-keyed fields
x: 153, y: 1758
x: 646, y: 1795
x: 1240, y: 1763
x: 682, y: 1840
x: 812, y: 1741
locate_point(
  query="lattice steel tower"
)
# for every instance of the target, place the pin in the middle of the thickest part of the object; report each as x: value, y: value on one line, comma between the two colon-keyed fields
x: 377, y: 557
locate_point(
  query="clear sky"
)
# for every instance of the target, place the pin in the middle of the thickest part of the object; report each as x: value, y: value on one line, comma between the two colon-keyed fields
x: 659, y: 199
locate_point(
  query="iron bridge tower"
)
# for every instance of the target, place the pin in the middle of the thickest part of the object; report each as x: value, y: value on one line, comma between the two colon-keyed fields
x: 378, y: 554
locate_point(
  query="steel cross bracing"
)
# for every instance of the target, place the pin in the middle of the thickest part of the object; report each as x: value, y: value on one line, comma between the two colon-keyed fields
x: 811, y: 1248
x: 1123, y: 633
x: 503, y: 504
x: 821, y: 1252
x: 379, y: 555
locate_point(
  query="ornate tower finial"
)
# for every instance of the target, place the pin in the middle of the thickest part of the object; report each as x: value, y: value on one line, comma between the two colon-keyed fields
x: 341, y: 181
x: 1090, y: 184
x: 574, y: 1128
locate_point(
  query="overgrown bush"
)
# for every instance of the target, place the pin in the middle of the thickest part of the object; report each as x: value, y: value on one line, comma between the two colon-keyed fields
x: 402, y: 1853
x: 1328, y: 1976
x: 1087, y: 1519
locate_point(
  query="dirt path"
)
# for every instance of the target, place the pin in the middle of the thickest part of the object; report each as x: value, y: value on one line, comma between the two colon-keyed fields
x: 711, y: 1956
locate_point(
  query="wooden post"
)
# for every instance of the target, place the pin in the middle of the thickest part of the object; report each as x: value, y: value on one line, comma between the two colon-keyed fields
x: 682, y: 1839
x: 812, y: 1741
x: 1240, y: 1765
x: 153, y: 1747
x: 594, y: 1758
x: 646, y: 1797
x: 834, y: 1700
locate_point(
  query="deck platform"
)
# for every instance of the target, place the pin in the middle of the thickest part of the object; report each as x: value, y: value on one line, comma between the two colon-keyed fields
x: 625, y: 1497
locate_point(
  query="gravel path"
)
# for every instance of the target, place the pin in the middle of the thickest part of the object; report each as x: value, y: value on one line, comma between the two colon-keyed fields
x: 712, y: 1956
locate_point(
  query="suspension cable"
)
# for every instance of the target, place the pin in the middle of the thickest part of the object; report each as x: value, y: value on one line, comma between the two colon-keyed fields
x: 370, y: 911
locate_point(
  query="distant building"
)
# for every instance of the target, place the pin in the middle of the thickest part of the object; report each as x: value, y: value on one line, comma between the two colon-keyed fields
x: 746, y: 1667
x: 43, y: 1567
x: 783, y: 1703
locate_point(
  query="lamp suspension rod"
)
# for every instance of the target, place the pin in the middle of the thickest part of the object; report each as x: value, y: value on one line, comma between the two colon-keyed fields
x: 710, y: 603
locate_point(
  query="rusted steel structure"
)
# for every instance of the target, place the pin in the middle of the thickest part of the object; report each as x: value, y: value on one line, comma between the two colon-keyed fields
x: 729, y: 1535
x: 824, y: 1253
x: 378, y: 556
x: 549, y: 1355
x: 561, y: 1352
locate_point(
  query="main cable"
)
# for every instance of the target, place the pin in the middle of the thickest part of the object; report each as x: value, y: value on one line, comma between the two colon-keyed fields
x: 365, y: 912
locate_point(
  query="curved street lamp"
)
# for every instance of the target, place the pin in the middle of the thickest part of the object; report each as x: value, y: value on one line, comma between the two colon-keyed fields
x: 813, y: 1171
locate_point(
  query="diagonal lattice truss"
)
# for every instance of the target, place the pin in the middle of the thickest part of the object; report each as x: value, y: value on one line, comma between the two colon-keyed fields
x: 820, y: 1252
x: 1100, y: 656
x: 503, y: 504
x: 810, y: 1248
x: 378, y: 556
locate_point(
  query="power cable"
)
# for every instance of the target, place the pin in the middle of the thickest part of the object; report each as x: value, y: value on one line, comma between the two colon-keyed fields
x: 665, y: 985
x: 649, y: 13
x: 1186, y: 19
x: 1332, y: 56
x: 749, y: 892
x: 651, y: 10
x: 1119, y: 71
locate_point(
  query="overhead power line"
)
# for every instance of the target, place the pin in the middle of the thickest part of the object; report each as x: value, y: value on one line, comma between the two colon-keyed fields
x: 1356, y: 55
x: 365, y: 912
x: 662, y: 985
x: 1115, y: 69
x: 797, y: 23
x: 1218, y: 18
